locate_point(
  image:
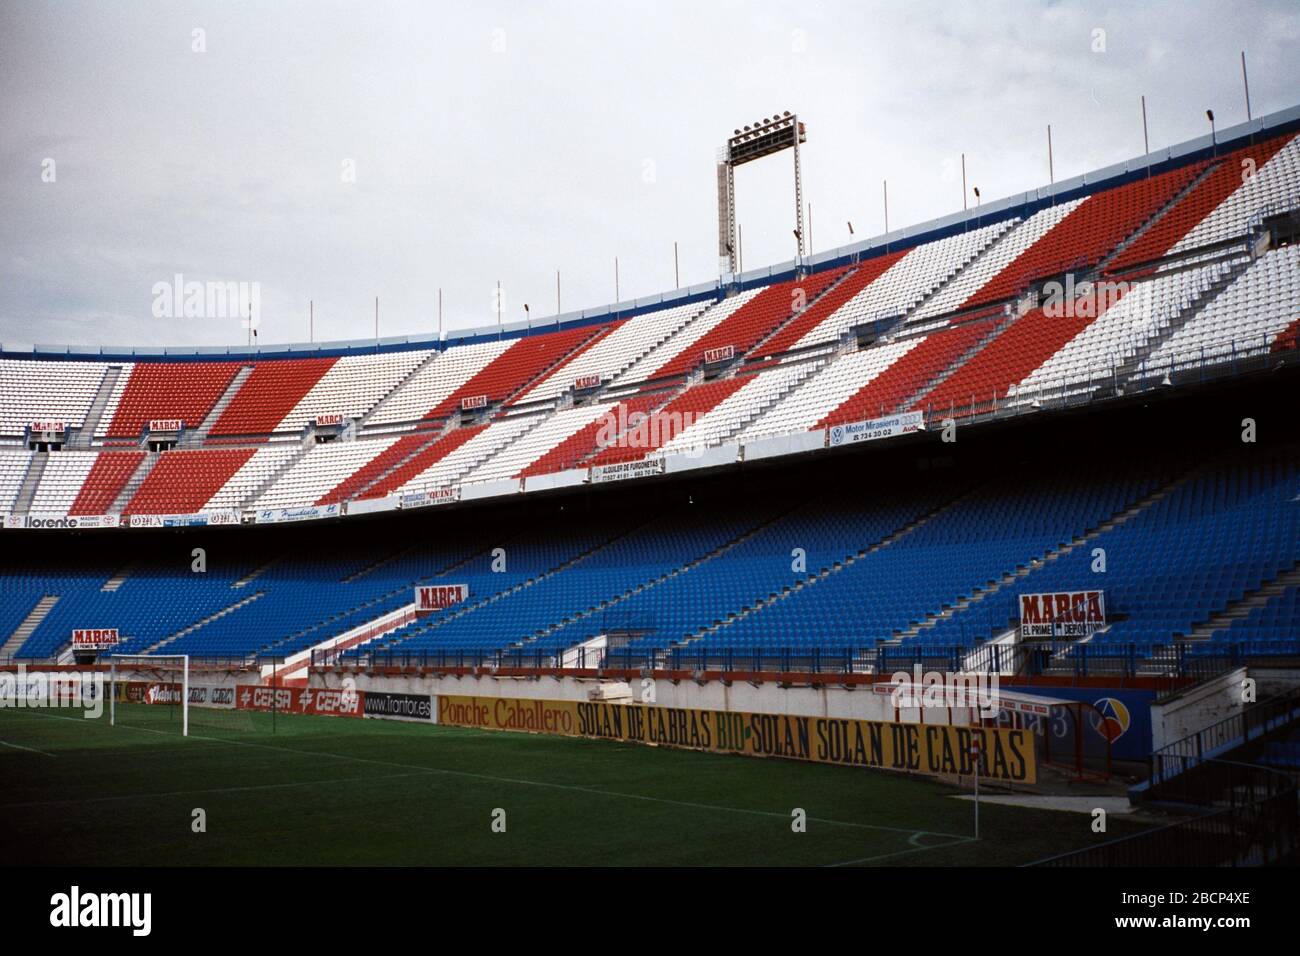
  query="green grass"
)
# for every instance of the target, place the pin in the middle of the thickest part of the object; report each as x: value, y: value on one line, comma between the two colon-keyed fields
x: 330, y: 791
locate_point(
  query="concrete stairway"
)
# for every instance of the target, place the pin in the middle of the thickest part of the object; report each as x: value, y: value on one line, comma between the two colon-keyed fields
x: 200, y: 434
x: 27, y: 490
x: 90, y: 424
x: 28, y: 625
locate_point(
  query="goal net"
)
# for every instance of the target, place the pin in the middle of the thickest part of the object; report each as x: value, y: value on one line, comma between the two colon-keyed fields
x: 151, y: 692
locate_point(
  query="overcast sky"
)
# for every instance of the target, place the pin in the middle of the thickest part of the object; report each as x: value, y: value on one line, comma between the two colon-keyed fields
x: 505, y: 140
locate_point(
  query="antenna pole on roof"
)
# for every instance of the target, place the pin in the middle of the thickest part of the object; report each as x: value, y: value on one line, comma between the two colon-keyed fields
x: 1245, y: 82
x: 1146, y: 142
x: 440, y: 315
x: 1051, y: 170
x: 963, y: 182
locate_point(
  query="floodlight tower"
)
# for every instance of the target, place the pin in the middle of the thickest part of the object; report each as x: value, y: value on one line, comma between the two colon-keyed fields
x: 764, y: 137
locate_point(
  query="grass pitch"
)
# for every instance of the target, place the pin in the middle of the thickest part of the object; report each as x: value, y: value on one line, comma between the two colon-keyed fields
x: 332, y: 791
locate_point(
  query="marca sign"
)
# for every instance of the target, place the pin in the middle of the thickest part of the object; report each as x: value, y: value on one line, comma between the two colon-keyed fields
x: 436, y: 597
x: 326, y: 421
x: 48, y: 428
x: 94, y: 638
x: 723, y: 353
x: 585, y: 382
x: 473, y: 402
x: 1062, y: 614
x: 875, y: 428
x: 165, y: 424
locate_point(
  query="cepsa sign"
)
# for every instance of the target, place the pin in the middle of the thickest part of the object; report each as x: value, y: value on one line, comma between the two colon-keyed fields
x: 94, y: 638
x: 936, y: 749
x: 1062, y: 614
x: 436, y: 597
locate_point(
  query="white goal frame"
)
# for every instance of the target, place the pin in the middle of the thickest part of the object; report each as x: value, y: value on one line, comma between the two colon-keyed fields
x: 156, y: 663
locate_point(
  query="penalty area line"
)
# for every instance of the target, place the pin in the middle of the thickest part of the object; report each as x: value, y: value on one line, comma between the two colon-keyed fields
x: 915, y: 848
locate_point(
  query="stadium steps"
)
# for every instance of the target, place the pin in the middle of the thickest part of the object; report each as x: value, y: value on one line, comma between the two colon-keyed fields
x: 1234, y: 612
x: 250, y: 499
x: 118, y: 579
x: 29, y: 624
x: 27, y: 490
x: 1130, y: 367
x: 644, y: 585
x: 381, y: 598
x: 401, y: 382
x: 489, y: 455
x: 519, y: 586
x: 916, y: 397
x: 757, y: 411
x: 200, y: 434
x: 434, y: 436
x: 1054, y: 554
x: 231, y: 609
x: 834, y: 568
x: 1174, y: 200
x: 668, y: 395
x: 627, y: 369
x: 254, y: 574
x: 134, y: 482
x: 957, y: 273
x: 85, y: 435
x: 776, y: 330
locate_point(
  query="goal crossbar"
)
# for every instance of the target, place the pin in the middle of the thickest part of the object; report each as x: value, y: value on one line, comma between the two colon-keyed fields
x: 155, y: 666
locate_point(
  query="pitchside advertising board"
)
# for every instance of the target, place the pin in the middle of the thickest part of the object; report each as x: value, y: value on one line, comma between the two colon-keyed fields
x: 434, y: 496
x: 1062, y: 614
x: 437, y: 597
x: 335, y: 702
x: 1005, y: 754
x: 875, y: 428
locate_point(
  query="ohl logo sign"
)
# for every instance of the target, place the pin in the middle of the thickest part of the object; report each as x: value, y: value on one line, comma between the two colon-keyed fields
x: 1111, y: 718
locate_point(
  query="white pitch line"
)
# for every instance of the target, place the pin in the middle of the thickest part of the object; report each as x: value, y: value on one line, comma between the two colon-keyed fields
x: 957, y: 841
x: 32, y: 750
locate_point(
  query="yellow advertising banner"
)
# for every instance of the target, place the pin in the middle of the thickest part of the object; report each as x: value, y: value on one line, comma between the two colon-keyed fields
x: 1006, y: 755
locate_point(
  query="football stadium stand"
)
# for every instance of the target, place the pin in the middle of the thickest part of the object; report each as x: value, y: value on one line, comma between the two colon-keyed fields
x: 1165, y: 277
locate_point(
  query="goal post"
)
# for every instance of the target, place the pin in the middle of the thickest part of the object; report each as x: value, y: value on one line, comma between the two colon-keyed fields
x: 150, y: 679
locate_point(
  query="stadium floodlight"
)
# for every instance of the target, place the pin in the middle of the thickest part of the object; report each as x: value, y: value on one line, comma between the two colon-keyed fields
x: 145, y: 680
x: 763, y: 138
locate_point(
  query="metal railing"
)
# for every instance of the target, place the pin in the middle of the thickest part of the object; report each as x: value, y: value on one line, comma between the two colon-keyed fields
x: 1249, y: 817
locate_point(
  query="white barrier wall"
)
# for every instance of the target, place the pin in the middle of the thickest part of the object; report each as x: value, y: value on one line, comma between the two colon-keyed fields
x: 1196, y: 709
x: 861, y: 703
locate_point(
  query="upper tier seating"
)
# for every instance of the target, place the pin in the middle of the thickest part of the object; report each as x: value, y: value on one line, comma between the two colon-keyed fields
x: 322, y: 469
x: 724, y: 420
x: 39, y: 391
x: 965, y: 288
x: 111, y: 471
x: 1092, y: 229
x: 166, y: 390
x: 744, y: 327
x: 1175, y: 225
x: 465, y: 453
x: 352, y: 386
x: 13, y: 469
x: 182, y: 482
x: 684, y: 341
x: 61, y: 481
x: 522, y: 362
x: 516, y: 457
x: 1248, y: 314
x: 626, y: 342
x: 663, y: 425
x: 435, y: 380
x: 268, y: 394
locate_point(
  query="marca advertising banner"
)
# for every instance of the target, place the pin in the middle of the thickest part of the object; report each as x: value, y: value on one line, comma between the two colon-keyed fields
x: 875, y: 428
x: 437, y: 597
x: 306, y: 513
x: 627, y: 469
x: 94, y: 638
x: 1062, y: 614
x: 918, y: 748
